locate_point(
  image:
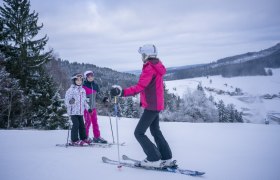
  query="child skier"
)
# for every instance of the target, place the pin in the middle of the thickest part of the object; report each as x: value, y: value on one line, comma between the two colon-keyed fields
x: 150, y: 87
x: 75, y: 100
x: 92, y: 89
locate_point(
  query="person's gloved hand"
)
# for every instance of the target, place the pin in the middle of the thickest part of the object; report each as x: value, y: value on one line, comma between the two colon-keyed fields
x: 72, y: 101
x: 116, y: 91
x: 90, y: 110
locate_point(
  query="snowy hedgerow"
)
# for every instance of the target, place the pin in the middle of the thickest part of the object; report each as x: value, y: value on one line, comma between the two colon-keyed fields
x: 194, y: 107
x: 198, y: 107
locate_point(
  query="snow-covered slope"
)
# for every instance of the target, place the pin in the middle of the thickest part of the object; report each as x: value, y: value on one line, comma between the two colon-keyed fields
x: 255, y: 107
x: 224, y: 151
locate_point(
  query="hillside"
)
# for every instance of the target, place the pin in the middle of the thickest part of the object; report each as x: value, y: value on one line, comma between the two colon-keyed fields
x: 248, y: 64
x: 258, y: 97
x: 223, y: 151
x: 62, y: 70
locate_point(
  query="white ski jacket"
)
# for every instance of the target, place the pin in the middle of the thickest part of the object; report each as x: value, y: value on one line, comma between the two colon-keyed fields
x: 80, y: 104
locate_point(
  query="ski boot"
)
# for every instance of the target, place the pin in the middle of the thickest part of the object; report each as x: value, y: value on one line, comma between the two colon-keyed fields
x: 152, y: 164
x: 99, y: 140
x: 78, y: 143
x: 169, y: 163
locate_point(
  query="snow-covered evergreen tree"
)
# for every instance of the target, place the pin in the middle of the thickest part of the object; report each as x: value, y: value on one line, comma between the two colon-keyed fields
x: 11, y: 99
x: 221, y: 111
x: 55, y: 113
x: 25, y: 59
x: 194, y: 107
x: 198, y: 107
x: 24, y: 52
x: 228, y: 113
x: 171, y: 102
x: 48, y: 107
x: 128, y: 110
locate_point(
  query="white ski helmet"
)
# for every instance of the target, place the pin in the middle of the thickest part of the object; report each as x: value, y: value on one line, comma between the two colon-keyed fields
x: 75, y: 76
x: 148, y: 50
x: 87, y: 73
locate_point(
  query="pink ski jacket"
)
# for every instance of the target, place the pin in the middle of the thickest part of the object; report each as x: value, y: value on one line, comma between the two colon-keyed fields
x: 150, y: 86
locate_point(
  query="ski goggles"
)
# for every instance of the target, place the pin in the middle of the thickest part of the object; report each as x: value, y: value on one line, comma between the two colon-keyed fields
x: 90, y: 75
x: 77, y: 76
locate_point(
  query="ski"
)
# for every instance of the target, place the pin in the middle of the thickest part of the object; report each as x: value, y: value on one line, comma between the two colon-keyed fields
x: 138, y: 163
x: 97, y: 145
x: 165, y: 169
x: 121, y: 144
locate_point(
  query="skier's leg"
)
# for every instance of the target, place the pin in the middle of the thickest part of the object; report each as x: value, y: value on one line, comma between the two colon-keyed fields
x: 160, y: 140
x: 82, y: 130
x: 75, y: 128
x: 95, y: 126
x: 87, y: 122
x: 149, y: 148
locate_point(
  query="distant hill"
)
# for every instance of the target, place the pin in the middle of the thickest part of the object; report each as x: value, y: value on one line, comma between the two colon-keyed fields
x: 62, y: 70
x: 169, y: 70
x: 248, y: 64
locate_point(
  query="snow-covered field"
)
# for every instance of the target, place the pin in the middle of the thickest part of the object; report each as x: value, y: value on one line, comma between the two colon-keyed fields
x: 251, y: 102
x: 239, y: 151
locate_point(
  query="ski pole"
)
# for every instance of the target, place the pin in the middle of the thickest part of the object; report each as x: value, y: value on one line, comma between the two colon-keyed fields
x: 111, y: 127
x: 109, y: 114
x: 117, y: 127
x: 68, y: 132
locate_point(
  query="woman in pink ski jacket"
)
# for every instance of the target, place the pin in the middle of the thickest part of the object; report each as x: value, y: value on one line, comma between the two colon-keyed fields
x: 150, y: 87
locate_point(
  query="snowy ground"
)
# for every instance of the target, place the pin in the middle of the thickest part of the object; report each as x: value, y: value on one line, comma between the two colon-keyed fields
x: 224, y: 151
x: 253, y: 87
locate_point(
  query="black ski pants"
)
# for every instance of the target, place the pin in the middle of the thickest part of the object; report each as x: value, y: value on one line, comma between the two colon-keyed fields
x: 150, y: 119
x: 78, y: 128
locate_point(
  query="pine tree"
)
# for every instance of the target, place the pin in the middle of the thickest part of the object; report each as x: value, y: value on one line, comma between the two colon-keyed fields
x: 129, y: 108
x: 222, y: 111
x: 19, y: 44
x: 199, y: 87
x: 25, y: 60
x: 230, y: 113
x: 11, y: 98
x: 55, y: 114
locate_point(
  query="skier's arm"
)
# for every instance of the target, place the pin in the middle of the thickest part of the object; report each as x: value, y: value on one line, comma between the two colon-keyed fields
x: 67, y: 98
x: 144, y: 80
x: 85, y: 100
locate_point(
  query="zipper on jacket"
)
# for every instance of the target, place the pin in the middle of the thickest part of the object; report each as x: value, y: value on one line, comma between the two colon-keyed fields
x: 91, y: 96
x: 80, y: 101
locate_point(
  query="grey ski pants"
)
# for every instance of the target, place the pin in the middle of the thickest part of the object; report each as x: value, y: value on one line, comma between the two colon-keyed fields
x: 150, y: 119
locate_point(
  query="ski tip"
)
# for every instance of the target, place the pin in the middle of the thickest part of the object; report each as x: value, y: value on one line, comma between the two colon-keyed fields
x: 125, y: 157
x: 104, y: 158
x: 198, y: 173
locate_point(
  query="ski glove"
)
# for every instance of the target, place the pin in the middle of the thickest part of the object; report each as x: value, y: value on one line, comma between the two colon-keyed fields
x: 90, y: 110
x: 116, y: 91
x: 72, y: 101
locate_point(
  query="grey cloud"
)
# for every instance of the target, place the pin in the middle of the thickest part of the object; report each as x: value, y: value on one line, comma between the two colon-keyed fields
x: 185, y: 31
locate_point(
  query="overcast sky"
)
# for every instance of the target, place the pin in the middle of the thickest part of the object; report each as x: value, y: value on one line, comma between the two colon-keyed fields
x: 108, y: 33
